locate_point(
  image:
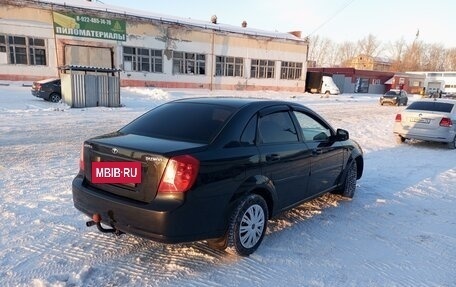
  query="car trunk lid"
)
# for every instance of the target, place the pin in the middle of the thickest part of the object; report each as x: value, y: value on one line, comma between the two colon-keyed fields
x: 426, y: 120
x: 152, y: 153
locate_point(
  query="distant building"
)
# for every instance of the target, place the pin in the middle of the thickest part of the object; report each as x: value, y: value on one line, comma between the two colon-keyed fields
x: 364, y: 62
x: 438, y: 81
x: 350, y: 80
x: 38, y: 37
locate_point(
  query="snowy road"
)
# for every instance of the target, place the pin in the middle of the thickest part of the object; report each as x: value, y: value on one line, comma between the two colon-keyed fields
x: 399, y: 230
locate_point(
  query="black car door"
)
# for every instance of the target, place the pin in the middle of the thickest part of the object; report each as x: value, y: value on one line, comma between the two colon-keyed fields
x: 285, y: 159
x: 327, y: 156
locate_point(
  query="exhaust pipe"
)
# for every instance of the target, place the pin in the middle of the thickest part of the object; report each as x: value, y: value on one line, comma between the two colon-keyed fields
x: 96, y: 220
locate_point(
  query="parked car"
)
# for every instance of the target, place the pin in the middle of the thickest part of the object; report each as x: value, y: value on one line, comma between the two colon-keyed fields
x: 394, y: 97
x: 213, y: 169
x: 48, y: 90
x: 429, y: 120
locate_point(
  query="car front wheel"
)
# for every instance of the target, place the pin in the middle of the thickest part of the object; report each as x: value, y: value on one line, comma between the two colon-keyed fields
x: 248, y: 225
x: 348, y: 189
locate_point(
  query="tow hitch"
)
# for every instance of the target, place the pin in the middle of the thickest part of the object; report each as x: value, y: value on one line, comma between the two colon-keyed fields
x: 96, y: 220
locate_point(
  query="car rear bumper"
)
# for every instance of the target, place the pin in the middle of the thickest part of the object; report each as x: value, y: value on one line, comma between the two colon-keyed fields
x: 435, y: 136
x: 168, y: 219
x: 40, y: 94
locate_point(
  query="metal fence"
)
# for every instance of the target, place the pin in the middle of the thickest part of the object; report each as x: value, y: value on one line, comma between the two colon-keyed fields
x: 80, y: 90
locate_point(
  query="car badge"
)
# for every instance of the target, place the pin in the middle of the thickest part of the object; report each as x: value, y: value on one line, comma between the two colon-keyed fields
x: 115, y: 151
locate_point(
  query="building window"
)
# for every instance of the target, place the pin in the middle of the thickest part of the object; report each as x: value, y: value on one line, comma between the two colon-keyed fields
x: 37, y: 51
x: 189, y: 63
x: 24, y: 50
x: 262, y: 69
x: 142, y: 60
x: 17, y: 50
x: 2, y: 44
x: 229, y: 66
x: 290, y: 70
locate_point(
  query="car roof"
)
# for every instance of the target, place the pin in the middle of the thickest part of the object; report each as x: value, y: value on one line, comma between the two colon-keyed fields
x: 236, y: 102
x: 47, y: 80
x: 441, y: 100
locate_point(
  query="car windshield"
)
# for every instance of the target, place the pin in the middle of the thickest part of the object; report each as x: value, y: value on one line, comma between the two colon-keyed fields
x: 392, y: 93
x: 431, y: 106
x: 191, y: 122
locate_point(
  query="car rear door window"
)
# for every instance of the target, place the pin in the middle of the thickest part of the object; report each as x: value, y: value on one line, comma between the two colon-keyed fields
x: 277, y: 127
x: 249, y: 134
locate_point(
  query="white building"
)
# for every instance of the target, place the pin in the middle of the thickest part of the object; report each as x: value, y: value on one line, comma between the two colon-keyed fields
x: 439, y: 81
x: 37, y: 37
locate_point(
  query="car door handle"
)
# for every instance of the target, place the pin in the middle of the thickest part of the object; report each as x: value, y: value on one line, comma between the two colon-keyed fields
x: 317, y: 151
x: 272, y: 157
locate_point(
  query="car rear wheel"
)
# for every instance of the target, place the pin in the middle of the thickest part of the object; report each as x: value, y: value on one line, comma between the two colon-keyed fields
x: 248, y: 225
x: 452, y: 145
x: 400, y: 139
x: 54, y: 97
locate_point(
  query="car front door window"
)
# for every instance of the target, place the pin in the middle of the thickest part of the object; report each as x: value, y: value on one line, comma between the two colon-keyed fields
x: 312, y: 129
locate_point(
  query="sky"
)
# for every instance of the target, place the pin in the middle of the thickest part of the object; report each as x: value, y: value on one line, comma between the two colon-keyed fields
x: 340, y: 21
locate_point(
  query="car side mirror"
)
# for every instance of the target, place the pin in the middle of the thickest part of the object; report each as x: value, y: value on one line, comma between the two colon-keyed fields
x: 341, y: 135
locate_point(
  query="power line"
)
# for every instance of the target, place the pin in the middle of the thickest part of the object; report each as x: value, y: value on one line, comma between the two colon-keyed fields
x: 332, y: 17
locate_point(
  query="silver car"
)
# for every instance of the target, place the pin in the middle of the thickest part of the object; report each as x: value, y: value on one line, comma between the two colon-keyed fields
x: 429, y: 120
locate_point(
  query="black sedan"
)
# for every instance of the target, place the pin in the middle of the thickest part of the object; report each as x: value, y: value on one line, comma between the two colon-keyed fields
x: 49, y: 90
x: 212, y: 169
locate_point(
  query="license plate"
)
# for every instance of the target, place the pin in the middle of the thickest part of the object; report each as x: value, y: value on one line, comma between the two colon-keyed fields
x: 420, y: 120
x: 116, y: 172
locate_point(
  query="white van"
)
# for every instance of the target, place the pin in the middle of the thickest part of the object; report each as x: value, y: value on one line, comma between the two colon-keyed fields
x: 328, y: 86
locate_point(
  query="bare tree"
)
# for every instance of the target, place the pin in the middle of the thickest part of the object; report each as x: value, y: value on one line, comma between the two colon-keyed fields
x: 450, y: 60
x: 332, y: 55
x: 319, y: 49
x: 370, y: 46
x: 347, y: 51
x: 396, y: 52
x: 412, y: 57
x: 433, y: 57
x: 415, y: 56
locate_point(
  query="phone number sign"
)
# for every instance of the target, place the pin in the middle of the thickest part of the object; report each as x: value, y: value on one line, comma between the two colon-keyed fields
x: 88, y: 26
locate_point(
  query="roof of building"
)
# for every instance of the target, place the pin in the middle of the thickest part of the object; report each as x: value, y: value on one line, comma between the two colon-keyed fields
x: 94, y: 5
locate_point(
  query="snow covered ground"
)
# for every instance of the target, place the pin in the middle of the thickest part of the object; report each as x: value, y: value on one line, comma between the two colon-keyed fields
x: 399, y: 230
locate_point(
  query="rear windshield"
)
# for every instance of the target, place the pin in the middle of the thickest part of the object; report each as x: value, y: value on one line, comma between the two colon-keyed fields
x: 190, y: 122
x: 431, y: 106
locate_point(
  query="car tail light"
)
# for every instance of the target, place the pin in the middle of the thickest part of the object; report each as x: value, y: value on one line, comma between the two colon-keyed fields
x: 180, y: 174
x: 81, y: 159
x: 398, y: 118
x: 37, y: 86
x: 446, y: 122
